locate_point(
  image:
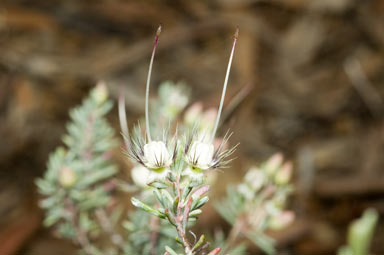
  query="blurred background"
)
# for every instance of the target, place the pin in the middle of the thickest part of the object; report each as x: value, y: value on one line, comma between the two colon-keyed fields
x: 308, y: 76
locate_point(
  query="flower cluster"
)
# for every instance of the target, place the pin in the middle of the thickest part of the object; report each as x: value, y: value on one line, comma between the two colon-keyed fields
x: 269, y: 186
x: 161, y: 157
x: 258, y: 203
x: 189, y: 155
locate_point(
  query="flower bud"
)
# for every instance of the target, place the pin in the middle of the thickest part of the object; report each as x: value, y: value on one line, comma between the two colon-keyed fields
x: 193, y: 113
x: 283, y: 176
x: 100, y: 93
x: 282, y: 220
x: 140, y: 175
x: 273, y: 164
x: 67, y: 177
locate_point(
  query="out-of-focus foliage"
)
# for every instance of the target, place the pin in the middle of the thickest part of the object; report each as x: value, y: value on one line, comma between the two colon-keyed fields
x: 360, y: 234
x: 220, y: 240
x: 172, y: 99
x: 258, y: 203
x: 76, y: 183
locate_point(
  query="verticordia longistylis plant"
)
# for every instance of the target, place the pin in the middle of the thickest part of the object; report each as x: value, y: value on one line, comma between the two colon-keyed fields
x: 177, y: 164
x: 173, y: 166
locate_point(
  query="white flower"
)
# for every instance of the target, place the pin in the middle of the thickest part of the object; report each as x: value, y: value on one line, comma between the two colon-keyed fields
x: 200, y: 155
x: 140, y: 175
x: 284, y: 174
x: 246, y: 191
x: 156, y: 155
x: 255, y: 178
x: 274, y: 163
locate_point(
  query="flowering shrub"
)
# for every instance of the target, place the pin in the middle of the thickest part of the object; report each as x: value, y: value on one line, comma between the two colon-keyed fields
x: 171, y: 174
x: 177, y: 168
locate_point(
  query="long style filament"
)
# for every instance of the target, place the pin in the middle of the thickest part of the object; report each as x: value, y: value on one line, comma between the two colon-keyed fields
x: 148, y: 83
x: 225, y: 86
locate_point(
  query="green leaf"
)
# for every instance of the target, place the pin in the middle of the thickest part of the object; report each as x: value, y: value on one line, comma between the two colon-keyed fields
x: 45, y: 187
x: 53, y: 215
x: 361, y: 231
x: 137, y: 203
x: 198, y: 203
x: 160, y: 198
x: 96, y: 176
x: 85, y: 222
x: 170, y: 250
x: 195, y: 212
x: 158, y: 185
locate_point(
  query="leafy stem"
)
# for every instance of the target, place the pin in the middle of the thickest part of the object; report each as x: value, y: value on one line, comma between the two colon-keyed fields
x: 108, y: 227
x: 81, y: 236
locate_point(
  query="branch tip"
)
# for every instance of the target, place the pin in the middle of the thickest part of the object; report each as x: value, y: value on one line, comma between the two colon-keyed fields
x: 236, y: 35
x: 158, y: 32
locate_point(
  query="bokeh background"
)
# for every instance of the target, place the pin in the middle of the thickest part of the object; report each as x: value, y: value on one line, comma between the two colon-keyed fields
x: 308, y: 74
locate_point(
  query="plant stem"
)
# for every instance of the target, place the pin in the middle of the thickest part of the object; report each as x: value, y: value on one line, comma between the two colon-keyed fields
x: 107, y: 226
x: 81, y: 236
x: 179, y: 219
x: 234, y: 233
x: 84, y: 242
